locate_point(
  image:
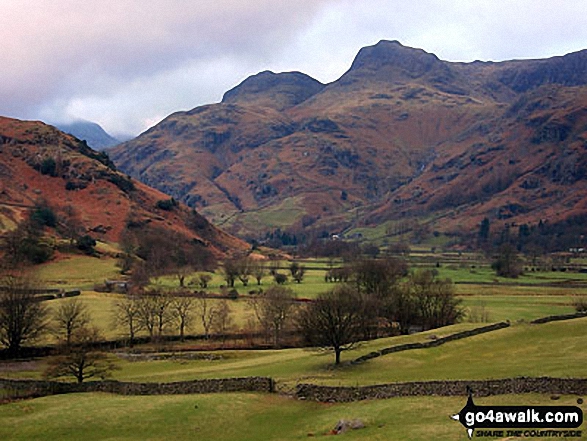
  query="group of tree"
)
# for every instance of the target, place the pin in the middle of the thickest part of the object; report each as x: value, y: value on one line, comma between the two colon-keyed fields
x: 379, y: 293
x: 242, y: 268
x: 542, y: 237
x: 152, y: 252
x: 27, y: 244
x: 275, y: 311
x: 160, y: 313
x: 24, y: 319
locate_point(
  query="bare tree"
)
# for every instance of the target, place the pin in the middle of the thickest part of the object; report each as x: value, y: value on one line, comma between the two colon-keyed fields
x: 273, y: 310
x: 182, y: 307
x: 333, y: 320
x: 155, y: 312
x: 127, y: 314
x: 206, y: 312
x: 70, y: 223
x: 69, y: 316
x: 203, y: 280
x: 435, y: 300
x: 223, y: 322
x: 297, y: 271
x: 80, y: 359
x: 258, y: 271
x: 507, y: 262
x: 22, y: 316
x: 129, y: 247
x: 231, y: 271
x: 244, y: 266
x: 378, y: 276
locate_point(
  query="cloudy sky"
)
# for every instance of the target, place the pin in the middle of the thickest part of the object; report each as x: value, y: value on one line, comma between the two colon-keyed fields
x: 126, y: 64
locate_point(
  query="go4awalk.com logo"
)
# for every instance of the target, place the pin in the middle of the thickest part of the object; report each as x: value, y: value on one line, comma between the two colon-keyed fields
x: 520, y: 421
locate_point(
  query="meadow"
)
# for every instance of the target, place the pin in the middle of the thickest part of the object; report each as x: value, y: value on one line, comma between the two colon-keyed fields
x: 553, y: 349
x: 239, y: 417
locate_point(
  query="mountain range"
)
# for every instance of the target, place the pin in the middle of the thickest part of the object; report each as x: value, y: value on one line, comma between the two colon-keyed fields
x: 401, y: 136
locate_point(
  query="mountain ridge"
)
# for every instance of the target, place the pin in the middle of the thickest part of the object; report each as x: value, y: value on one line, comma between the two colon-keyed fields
x: 384, y: 131
x: 41, y: 164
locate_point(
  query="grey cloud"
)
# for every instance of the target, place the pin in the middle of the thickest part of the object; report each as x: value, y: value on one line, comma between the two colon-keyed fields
x: 127, y: 63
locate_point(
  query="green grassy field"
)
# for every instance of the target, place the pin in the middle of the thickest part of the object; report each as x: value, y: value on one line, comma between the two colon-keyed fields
x: 80, y: 272
x: 101, y: 307
x: 552, y: 349
x: 242, y: 417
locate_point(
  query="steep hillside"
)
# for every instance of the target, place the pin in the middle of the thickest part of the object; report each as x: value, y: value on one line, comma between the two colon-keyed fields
x: 40, y: 163
x: 401, y: 134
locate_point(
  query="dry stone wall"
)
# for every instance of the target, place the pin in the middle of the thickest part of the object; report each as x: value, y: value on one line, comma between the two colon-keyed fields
x: 432, y: 343
x: 43, y: 388
x: 481, y: 388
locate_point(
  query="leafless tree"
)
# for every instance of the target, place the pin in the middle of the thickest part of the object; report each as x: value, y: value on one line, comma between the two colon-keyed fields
x: 333, y: 320
x: 182, y: 307
x: 273, y: 309
x: 244, y: 265
x: 154, y: 312
x: 223, y: 322
x: 22, y: 317
x: 69, y: 316
x: 206, y: 312
x: 80, y: 359
x: 230, y: 271
x: 204, y: 280
x: 70, y: 223
x: 127, y: 314
x: 378, y: 276
x: 258, y: 270
x: 435, y: 300
x: 297, y: 271
x: 129, y: 247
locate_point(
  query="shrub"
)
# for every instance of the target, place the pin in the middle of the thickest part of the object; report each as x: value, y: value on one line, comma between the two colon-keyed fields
x: 36, y: 252
x: 580, y: 304
x: 122, y: 182
x: 86, y: 244
x: 280, y: 279
x: 70, y: 185
x: 167, y: 204
x: 44, y: 217
x: 48, y: 167
x: 233, y: 294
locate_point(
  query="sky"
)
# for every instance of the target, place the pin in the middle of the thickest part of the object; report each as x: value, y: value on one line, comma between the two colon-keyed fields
x: 127, y: 64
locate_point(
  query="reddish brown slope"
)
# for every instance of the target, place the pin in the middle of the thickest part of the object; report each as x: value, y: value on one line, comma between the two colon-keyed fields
x: 104, y: 199
x: 402, y: 133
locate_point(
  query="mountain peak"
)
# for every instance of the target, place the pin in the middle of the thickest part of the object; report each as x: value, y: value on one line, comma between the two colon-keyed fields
x: 276, y: 90
x: 92, y: 133
x: 389, y: 55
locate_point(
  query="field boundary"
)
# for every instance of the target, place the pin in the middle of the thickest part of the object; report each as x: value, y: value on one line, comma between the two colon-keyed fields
x: 40, y: 388
x: 431, y: 343
x: 481, y: 388
x: 555, y: 318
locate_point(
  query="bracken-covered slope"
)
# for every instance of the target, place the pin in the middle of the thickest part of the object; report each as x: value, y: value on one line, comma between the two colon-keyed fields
x: 40, y: 163
x: 401, y: 134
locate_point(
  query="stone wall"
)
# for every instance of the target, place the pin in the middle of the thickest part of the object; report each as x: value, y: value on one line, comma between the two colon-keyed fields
x: 480, y: 388
x: 554, y: 318
x: 19, y: 388
x: 432, y: 343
